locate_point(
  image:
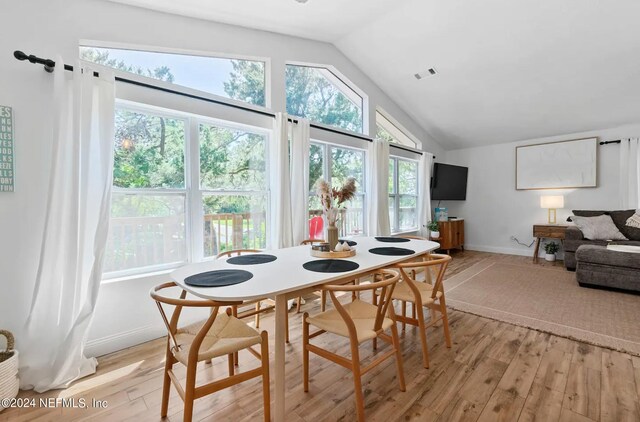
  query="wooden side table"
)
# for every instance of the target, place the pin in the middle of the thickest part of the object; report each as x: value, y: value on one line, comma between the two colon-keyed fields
x: 551, y: 231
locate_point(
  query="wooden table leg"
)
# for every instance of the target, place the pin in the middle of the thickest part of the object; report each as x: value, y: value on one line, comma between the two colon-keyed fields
x: 536, y: 248
x: 278, y: 364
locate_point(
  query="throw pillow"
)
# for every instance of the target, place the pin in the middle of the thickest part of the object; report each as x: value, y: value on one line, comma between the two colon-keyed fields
x: 634, y: 220
x: 598, y: 228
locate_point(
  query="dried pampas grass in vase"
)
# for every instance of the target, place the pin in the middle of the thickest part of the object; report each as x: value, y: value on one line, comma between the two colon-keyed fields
x: 332, y: 201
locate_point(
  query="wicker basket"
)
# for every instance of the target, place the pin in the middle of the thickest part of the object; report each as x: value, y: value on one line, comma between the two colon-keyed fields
x: 9, y: 383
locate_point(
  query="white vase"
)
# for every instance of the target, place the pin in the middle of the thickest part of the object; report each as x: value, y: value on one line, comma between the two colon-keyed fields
x: 550, y: 257
x: 434, y: 235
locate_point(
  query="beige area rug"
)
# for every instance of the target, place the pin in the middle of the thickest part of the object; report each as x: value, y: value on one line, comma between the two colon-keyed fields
x: 549, y: 300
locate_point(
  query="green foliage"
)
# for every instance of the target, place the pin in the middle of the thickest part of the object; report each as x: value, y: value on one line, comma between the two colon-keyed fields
x: 246, y: 82
x: 382, y: 134
x: 312, y: 95
x: 551, y: 248
x: 101, y: 56
x: 433, y: 226
x: 148, y: 151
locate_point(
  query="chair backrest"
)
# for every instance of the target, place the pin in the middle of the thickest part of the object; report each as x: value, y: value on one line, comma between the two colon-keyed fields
x: 158, y: 294
x: 316, y: 225
x: 312, y: 241
x: 385, y: 280
x: 436, y: 261
x: 237, y: 252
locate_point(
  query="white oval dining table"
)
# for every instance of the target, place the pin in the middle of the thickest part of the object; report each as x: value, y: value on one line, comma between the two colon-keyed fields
x: 285, y: 278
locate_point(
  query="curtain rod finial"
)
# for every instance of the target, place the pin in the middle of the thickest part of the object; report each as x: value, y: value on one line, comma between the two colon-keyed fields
x: 20, y: 55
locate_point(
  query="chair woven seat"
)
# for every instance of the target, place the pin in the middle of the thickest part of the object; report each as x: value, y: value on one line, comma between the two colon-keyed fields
x: 363, y: 315
x: 227, y: 335
x: 404, y: 292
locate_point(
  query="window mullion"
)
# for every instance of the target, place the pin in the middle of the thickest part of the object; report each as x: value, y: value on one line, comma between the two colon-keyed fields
x: 196, y: 220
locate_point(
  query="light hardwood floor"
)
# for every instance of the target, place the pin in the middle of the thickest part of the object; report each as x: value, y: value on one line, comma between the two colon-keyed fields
x: 494, y: 372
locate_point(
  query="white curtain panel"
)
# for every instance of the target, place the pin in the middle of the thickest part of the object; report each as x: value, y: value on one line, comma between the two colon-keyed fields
x: 424, y: 194
x: 378, y: 188
x: 630, y: 173
x: 300, y: 144
x: 75, y: 231
x: 280, y: 184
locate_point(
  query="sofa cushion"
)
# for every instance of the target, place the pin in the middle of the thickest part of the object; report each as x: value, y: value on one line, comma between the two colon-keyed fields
x: 573, y: 244
x: 619, y: 218
x: 601, y: 255
x: 598, y: 228
x: 588, y: 213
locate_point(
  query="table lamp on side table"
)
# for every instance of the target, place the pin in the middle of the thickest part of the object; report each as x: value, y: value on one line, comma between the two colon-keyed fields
x: 552, y: 202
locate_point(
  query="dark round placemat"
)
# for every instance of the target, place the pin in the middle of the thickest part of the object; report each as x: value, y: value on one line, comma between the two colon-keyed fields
x: 330, y: 266
x: 391, y: 239
x: 349, y: 242
x: 218, y: 278
x: 391, y: 251
x: 253, y: 259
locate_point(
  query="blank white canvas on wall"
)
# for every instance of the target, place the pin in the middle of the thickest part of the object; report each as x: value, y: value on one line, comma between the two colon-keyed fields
x: 556, y: 165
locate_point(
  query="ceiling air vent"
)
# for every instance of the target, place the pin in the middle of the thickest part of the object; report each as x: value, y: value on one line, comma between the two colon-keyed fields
x: 429, y: 72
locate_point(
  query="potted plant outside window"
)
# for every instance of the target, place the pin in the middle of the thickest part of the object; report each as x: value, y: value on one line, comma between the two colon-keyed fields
x: 434, y: 229
x: 551, y: 249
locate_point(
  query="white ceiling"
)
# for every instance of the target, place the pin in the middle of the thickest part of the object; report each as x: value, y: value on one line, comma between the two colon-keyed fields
x: 507, y: 69
x: 324, y: 20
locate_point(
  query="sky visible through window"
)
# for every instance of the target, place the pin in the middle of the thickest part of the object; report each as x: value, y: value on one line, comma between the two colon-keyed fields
x: 203, y: 73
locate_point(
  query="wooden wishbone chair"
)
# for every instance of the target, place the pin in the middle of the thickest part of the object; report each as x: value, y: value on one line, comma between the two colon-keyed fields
x: 414, y: 274
x: 424, y: 294
x: 257, y: 304
x: 358, y: 321
x: 219, y: 335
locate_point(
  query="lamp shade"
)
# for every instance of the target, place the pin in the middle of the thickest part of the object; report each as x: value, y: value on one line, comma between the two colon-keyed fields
x: 552, y: 201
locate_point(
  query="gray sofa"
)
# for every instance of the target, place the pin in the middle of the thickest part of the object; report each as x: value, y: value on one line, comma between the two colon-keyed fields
x: 603, y: 268
x: 574, y: 239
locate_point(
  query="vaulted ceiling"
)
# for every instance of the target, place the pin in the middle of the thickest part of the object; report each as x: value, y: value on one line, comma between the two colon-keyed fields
x: 507, y: 70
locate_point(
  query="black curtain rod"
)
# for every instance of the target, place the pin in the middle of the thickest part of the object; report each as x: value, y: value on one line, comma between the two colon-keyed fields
x: 406, y: 149
x: 49, y: 66
x: 610, y: 142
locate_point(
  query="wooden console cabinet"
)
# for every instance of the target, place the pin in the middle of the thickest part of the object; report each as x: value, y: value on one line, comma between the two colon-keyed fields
x: 451, y: 234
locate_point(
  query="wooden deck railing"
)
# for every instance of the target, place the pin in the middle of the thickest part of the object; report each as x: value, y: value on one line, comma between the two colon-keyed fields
x: 145, y: 241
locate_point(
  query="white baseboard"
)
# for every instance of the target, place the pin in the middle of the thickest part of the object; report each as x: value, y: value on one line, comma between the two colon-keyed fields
x: 119, y: 341
x: 507, y: 251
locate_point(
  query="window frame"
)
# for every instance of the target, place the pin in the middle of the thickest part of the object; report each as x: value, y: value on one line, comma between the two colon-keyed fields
x: 193, y: 192
x: 398, y: 132
x: 397, y: 195
x: 186, y: 52
x: 327, y: 163
x: 200, y: 192
x: 348, y: 84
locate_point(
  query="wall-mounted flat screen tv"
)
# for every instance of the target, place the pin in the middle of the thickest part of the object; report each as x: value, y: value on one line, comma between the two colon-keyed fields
x: 449, y: 183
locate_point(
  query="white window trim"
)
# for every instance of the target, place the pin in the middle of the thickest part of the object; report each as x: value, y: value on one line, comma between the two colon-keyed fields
x: 193, y: 192
x: 327, y: 161
x: 186, y: 52
x: 338, y: 76
x: 395, y: 197
x: 398, y: 128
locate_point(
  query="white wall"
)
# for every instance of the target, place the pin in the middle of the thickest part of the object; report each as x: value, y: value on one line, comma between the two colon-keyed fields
x: 494, y: 210
x: 125, y: 314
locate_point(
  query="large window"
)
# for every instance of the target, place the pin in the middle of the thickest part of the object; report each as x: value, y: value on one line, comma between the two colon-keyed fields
x: 335, y: 164
x: 403, y: 195
x: 157, y: 221
x: 242, y: 80
x: 390, y: 132
x: 233, y: 181
x: 319, y: 95
x: 148, y: 207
